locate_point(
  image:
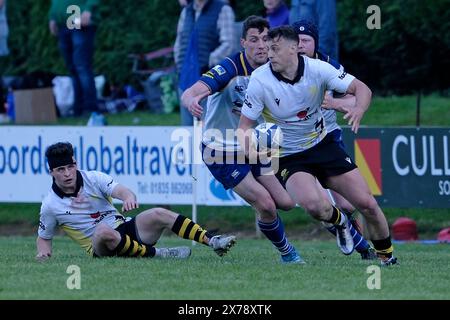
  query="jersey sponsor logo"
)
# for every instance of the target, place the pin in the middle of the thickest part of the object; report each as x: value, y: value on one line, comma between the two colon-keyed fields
x: 342, y: 76
x: 237, y: 106
x: 99, y: 217
x: 95, y: 215
x: 319, y: 126
x: 237, y: 103
x: 348, y: 159
x: 220, y: 70
x: 247, y: 103
x: 209, y: 74
x: 284, y: 174
x: 303, y: 115
x: 277, y: 101
x: 41, y: 225
x: 239, y: 89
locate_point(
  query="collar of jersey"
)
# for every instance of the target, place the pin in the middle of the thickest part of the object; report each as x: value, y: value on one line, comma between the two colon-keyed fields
x: 248, y: 69
x: 62, y: 194
x: 300, y: 70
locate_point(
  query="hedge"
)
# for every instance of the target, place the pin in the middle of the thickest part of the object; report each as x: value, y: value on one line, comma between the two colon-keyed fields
x: 408, y: 53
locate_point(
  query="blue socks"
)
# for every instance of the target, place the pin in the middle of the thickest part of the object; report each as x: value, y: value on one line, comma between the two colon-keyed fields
x: 361, y: 244
x: 274, y: 231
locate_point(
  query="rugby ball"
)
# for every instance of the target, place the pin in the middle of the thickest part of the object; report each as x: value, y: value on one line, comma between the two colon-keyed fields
x: 267, y: 136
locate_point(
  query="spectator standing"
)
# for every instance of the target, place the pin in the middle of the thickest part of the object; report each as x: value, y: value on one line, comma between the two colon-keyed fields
x: 323, y: 14
x: 276, y: 12
x: 3, y: 48
x: 204, y: 38
x: 76, y: 37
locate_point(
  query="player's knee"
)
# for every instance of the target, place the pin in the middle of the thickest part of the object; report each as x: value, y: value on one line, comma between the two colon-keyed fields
x: 159, y: 216
x: 368, y: 206
x: 318, y: 209
x: 104, y: 233
x: 285, y: 204
x: 266, y: 207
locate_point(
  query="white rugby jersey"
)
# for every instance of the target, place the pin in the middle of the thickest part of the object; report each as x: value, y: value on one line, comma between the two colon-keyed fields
x: 78, y: 214
x: 328, y: 114
x: 294, y: 105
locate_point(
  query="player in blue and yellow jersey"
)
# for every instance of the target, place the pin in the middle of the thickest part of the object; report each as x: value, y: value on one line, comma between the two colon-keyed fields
x: 225, y: 86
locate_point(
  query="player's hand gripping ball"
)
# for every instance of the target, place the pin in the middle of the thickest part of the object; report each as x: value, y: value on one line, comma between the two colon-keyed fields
x: 267, y: 137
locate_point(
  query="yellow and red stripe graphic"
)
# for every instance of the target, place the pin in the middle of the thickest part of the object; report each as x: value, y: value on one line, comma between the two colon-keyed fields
x: 368, y: 159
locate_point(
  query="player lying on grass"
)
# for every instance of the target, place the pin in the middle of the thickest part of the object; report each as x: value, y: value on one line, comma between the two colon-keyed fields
x: 80, y: 202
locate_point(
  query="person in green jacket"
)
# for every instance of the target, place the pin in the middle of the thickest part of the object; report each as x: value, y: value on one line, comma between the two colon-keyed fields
x: 74, y: 23
x: 3, y: 52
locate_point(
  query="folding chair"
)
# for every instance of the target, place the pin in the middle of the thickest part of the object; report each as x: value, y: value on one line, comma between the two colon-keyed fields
x: 150, y: 68
x: 144, y: 64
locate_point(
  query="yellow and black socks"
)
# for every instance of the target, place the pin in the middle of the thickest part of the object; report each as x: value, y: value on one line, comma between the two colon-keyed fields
x: 383, y: 247
x: 187, y: 229
x: 336, y: 217
x: 128, y: 247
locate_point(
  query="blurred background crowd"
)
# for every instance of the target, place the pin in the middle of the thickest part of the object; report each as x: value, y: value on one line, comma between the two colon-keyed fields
x: 121, y: 55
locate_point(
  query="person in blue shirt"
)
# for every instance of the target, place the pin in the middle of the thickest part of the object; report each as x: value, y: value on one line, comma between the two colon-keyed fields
x: 276, y: 12
x: 323, y: 14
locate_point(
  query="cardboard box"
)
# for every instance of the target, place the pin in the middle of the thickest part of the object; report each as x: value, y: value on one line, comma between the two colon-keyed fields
x: 34, y: 106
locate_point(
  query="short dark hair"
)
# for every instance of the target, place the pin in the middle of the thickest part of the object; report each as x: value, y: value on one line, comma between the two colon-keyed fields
x: 59, y: 154
x: 254, y: 22
x: 286, y: 32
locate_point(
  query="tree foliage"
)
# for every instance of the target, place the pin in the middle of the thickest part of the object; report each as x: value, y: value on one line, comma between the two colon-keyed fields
x: 410, y: 52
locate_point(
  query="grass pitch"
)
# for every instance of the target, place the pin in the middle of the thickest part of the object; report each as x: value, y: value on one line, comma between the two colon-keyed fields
x: 251, y: 271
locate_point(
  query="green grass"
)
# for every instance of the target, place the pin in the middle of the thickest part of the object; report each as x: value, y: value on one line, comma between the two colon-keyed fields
x: 136, y: 118
x: 250, y: 271
x: 23, y: 218
x: 384, y: 111
x: 401, y: 111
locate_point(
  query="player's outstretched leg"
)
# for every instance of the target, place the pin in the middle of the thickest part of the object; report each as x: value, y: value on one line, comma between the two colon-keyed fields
x: 187, y: 229
x: 221, y: 244
x: 274, y: 231
x: 361, y: 245
x: 175, y: 252
x: 343, y: 227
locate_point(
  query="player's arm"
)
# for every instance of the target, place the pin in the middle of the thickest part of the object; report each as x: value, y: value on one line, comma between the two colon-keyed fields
x: 127, y: 196
x: 363, y: 97
x: 190, y: 99
x: 44, y: 249
x: 210, y: 82
x: 341, y: 104
x: 244, y: 136
x: 46, y: 230
x: 341, y: 81
x: 250, y: 112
